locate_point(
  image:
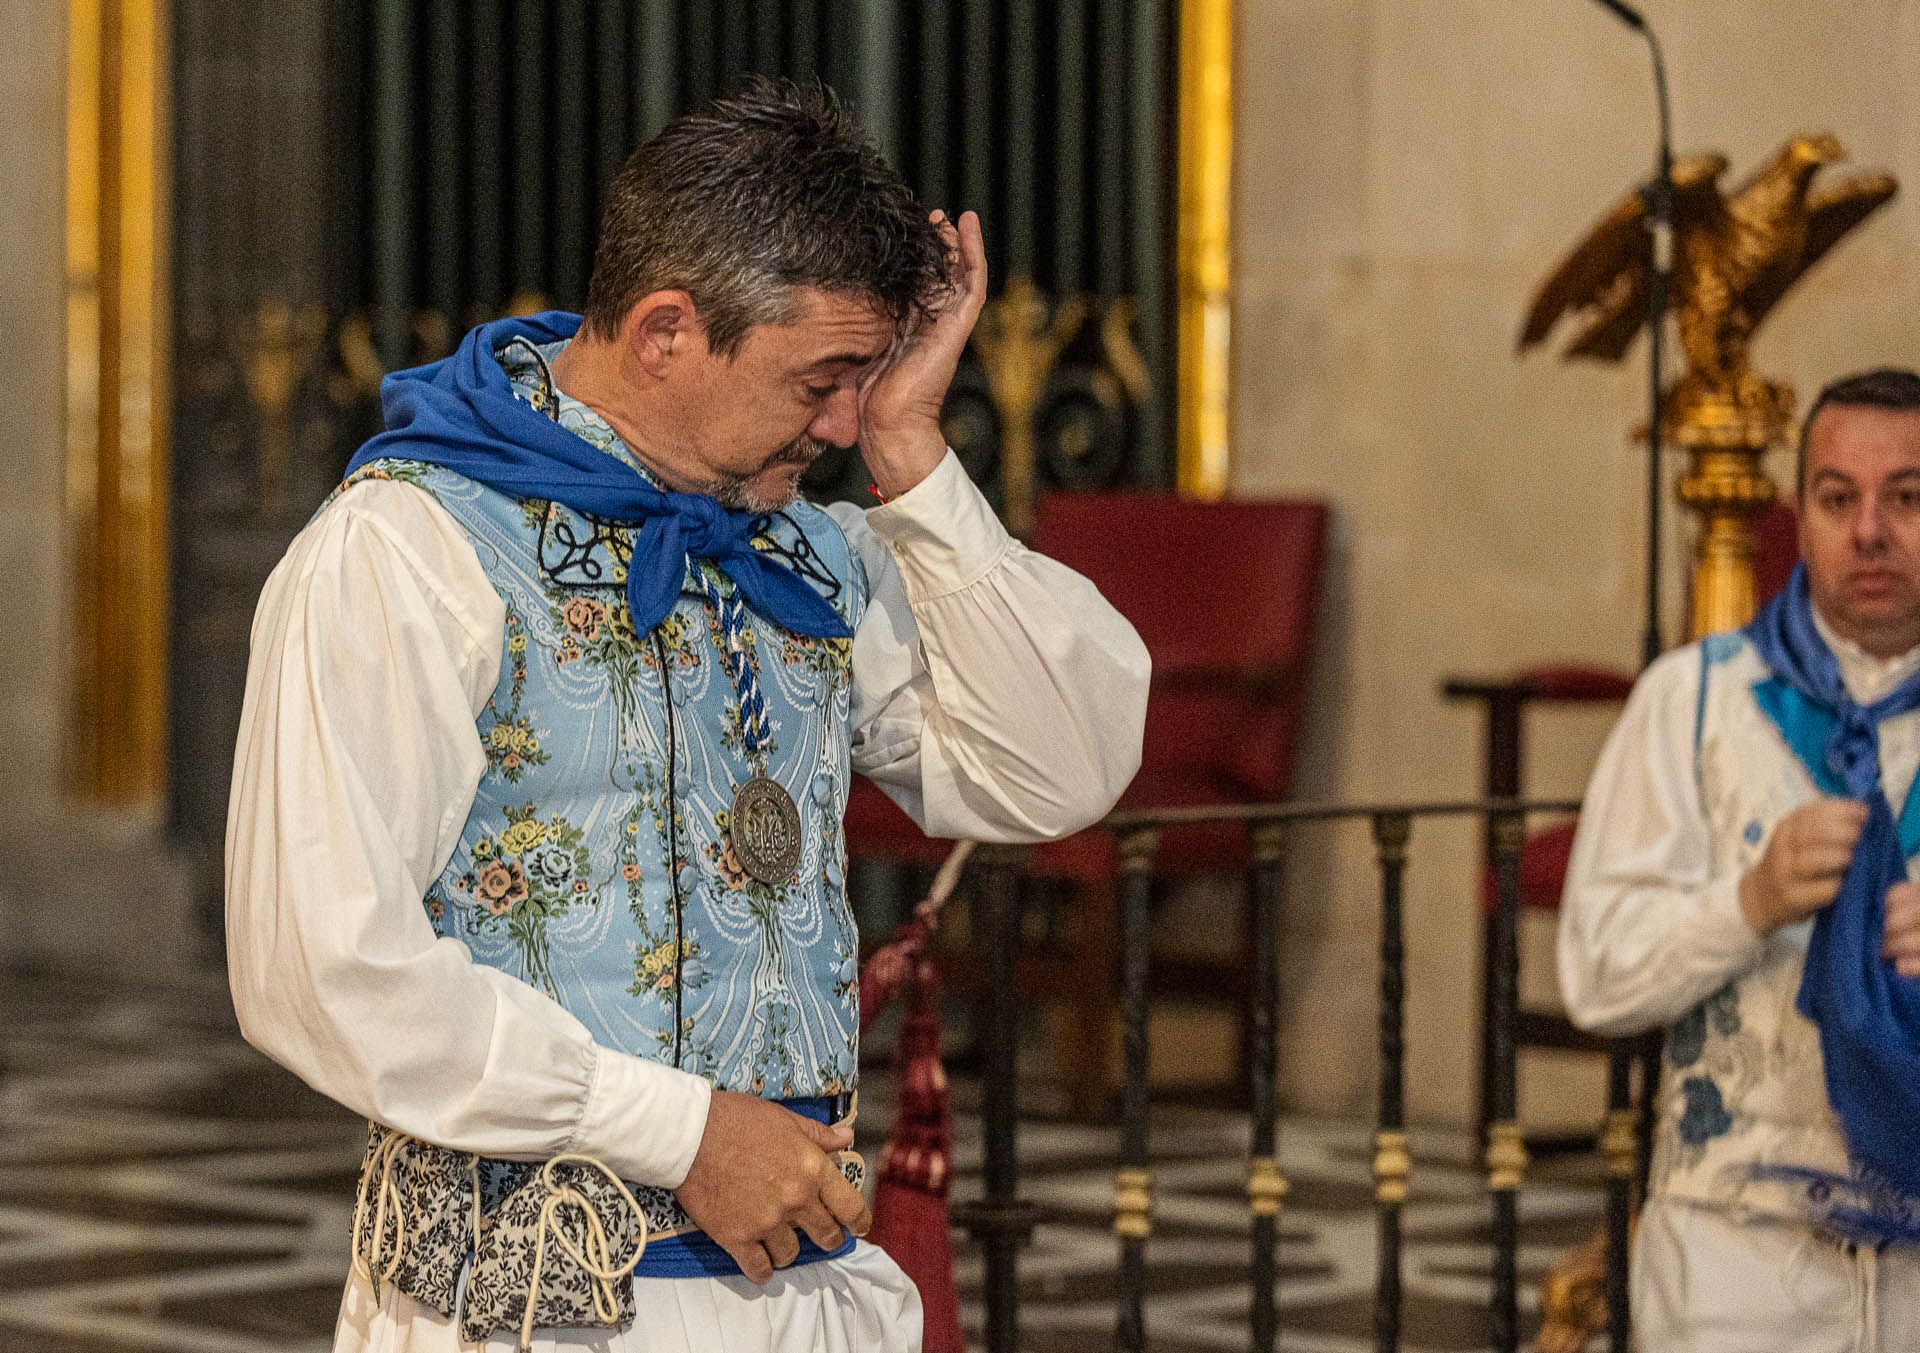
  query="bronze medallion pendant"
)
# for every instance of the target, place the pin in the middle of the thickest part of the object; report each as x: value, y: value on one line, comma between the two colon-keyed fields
x: 765, y: 831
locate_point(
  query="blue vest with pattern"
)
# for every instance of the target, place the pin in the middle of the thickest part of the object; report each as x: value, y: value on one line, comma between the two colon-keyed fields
x: 594, y: 864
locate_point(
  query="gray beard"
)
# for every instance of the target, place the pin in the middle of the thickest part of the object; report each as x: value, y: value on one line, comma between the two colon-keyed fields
x: 735, y: 493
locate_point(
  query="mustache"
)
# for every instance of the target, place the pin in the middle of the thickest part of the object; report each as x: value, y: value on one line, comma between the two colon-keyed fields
x: 802, y: 450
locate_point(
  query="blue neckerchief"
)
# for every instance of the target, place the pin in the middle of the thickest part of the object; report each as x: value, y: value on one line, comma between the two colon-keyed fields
x: 1868, y: 1015
x: 461, y: 413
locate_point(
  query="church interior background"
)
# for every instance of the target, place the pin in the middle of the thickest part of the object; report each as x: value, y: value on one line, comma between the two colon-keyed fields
x: 1244, y: 250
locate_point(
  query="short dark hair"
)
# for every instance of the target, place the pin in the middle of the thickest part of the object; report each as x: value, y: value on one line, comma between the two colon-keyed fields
x: 1885, y: 387
x: 768, y: 188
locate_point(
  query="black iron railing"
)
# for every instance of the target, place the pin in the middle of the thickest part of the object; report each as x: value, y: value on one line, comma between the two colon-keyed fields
x: 1001, y: 1221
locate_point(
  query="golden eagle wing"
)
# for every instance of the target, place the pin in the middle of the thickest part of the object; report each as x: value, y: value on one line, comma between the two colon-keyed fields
x: 1831, y: 213
x: 1607, y: 272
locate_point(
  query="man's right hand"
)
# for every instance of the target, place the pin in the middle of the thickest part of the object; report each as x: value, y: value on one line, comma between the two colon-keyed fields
x: 1800, y: 871
x: 761, y: 1175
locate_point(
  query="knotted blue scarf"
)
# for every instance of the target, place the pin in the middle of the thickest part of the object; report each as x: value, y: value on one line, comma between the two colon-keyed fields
x: 461, y: 413
x: 1868, y: 1015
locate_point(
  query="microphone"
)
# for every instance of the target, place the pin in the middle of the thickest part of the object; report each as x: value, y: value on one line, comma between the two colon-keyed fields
x: 1627, y: 14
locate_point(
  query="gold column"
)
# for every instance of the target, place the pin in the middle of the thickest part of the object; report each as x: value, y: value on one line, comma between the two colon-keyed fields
x: 1726, y: 486
x: 117, y: 410
x: 1201, y: 416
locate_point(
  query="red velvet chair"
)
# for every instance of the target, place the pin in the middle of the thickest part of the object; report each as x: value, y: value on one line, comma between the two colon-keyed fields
x: 1225, y: 597
x: 1544, y: 858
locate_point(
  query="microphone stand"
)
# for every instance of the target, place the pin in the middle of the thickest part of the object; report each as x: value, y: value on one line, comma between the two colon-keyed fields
x: 1621, y: 1053
x: 1658, y: 197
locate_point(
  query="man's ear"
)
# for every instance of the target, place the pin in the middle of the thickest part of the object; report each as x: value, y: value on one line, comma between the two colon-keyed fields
x: 661, y: 328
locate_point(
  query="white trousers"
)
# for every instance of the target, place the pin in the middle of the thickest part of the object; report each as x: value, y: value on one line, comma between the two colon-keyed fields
x: 1704, y: 1282
x: 861, y: 1303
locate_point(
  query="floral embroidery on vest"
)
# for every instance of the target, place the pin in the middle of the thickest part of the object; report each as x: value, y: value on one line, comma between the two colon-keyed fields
x: 594, y: 863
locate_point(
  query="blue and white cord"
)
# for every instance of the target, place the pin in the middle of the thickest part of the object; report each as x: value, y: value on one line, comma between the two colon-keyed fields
x: 733, y: 626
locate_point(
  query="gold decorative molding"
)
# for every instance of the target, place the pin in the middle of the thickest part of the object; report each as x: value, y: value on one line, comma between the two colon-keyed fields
x: 285, y: 342
x: 1266, y: 1187
x: 1133, y: 1203
x: 1391, y: 832
x: 1620, y: 1143
x: 1392, y: 1167
x: 1018, y: 343
x: 117, y: 397
x: 1137, y: 849
x: 1509, y: 833
x: 1506, y: 1156
x: 1725, y: 488
x: 1202, y: 417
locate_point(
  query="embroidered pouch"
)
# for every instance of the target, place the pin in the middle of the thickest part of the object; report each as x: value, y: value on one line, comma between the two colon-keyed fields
x: 413, y: 1218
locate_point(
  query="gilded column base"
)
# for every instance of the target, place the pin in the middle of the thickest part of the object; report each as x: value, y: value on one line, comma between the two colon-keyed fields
x: 1726, y: 435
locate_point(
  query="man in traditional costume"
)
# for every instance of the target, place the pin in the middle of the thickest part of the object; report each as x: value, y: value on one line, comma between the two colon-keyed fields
x: 535, y: 854
x: 1740, y: 877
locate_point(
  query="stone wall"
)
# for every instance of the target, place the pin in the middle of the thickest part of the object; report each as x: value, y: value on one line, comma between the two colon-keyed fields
x: 1406, y: 174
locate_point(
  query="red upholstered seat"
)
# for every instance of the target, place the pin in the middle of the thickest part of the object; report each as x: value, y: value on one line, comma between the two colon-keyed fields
x: 1224, y: 596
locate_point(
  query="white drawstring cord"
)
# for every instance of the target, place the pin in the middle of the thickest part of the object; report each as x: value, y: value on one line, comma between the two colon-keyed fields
x: 606, y: 1298
x: 378, y: 1180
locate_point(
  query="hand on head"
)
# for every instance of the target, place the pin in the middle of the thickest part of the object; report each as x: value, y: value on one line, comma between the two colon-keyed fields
x: 901, y: 399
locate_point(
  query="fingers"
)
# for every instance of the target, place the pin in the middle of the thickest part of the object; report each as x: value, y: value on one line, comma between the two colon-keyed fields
x: 755, y: 1263
x: 1821, y: 861
x: 824, y: 1136
x: 966, y: 248
x: 1902, y: 943
x: 1833, y: 822
x: 843, y: 1200
x: 782, y: 1246
x: 820, y: 1226
x: 973, y: 259
x: 1805, y: 898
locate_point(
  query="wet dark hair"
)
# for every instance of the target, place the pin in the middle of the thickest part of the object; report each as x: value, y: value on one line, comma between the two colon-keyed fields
x: 769, y: 188
x: 1884, y: 388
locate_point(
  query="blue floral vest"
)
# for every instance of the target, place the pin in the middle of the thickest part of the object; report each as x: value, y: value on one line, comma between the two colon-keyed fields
x: 594, y: 864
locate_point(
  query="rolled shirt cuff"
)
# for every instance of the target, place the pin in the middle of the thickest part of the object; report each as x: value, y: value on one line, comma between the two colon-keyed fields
x: 942, y: 531
x: 643, y: 1120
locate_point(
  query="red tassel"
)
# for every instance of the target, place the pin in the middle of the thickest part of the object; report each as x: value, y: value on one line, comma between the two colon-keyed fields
x: 910, y: 1220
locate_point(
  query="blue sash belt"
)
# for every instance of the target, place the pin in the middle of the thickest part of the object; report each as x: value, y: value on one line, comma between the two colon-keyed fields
x: 695, y: 1254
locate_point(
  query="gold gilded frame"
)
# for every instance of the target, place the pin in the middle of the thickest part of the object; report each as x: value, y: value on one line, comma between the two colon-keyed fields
x: 1202, y: 417
x: 116, y: 398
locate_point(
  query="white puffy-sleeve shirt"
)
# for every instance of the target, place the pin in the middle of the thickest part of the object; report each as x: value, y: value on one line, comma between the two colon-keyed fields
x: 1647, y: 931
x: 997, y: 696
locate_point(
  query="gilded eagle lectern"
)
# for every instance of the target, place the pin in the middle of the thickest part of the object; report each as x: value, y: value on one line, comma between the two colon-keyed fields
x: 1736, y: 255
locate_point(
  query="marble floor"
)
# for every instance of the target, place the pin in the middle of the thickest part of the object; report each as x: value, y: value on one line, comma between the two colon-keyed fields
x: 162, y: 1187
